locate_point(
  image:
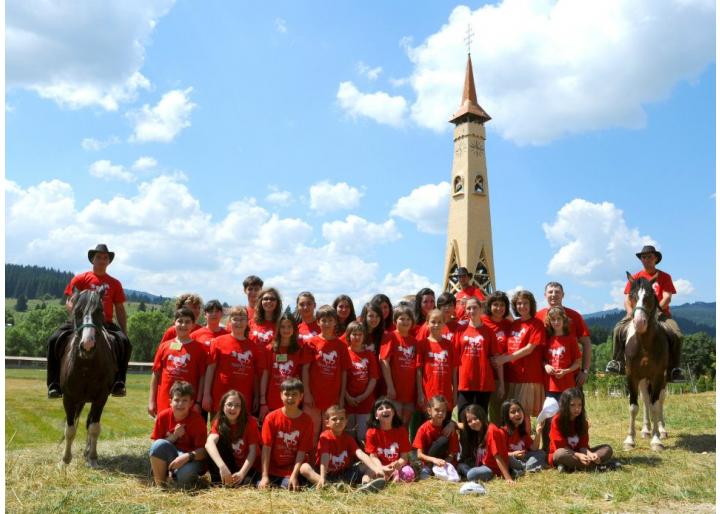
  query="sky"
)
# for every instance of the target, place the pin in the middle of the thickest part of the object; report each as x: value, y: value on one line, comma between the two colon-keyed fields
x: 308, y: 142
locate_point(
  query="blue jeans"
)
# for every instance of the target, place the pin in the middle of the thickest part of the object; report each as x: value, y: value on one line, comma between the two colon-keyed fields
x: 185, y: 476
x: 534, y: 460
x: 477, y: 473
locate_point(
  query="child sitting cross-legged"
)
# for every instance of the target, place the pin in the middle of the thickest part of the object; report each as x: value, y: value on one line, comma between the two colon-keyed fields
x: 339, y: 458
x: 179, y: 437
x: 435, y: 448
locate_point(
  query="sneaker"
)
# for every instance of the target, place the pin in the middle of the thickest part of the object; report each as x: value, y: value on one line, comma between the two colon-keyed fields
x: 614, y: 367
x: 54, y: 392
x: 677, y: 376
x: 118, y: 389
x: 373, y: 486
x: 615, y: 465
x: 561, y: 468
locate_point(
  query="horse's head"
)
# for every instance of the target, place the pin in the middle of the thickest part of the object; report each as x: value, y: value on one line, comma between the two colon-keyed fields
x: 87, y: 317
x: 643, y: 301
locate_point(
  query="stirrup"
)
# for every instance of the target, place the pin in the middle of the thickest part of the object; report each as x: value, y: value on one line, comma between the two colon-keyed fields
x: 614, y: 367
x: 118, y: 390
x: 677, y: 376
x: 54, y: 392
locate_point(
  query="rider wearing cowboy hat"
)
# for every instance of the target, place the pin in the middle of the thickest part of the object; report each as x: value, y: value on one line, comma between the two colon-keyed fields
x: 466, y: 291
x: 664, y: 289
x: 113, y: 300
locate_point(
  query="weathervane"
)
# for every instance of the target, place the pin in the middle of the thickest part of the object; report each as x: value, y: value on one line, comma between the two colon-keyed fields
x: 468, y: 37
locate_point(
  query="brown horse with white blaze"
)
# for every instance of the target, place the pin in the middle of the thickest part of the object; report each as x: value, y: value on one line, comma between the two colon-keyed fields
x: 87, y: 370
x: 646, y: 359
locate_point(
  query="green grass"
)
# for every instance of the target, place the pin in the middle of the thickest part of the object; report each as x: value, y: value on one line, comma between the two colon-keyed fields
x: 682, y: 478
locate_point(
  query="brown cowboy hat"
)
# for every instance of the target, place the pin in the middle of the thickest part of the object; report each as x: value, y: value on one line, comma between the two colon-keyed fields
x: 461, y: 271
x: 101, y: 248
x: 649, y: 249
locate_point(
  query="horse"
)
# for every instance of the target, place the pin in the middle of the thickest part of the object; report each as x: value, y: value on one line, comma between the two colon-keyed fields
x: 87, y: 369
x: 646, y: 360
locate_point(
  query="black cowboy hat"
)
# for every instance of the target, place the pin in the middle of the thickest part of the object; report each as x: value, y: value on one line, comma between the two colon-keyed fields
x: 649, y: 249
x: 461, y: 271
x: 101, y: 248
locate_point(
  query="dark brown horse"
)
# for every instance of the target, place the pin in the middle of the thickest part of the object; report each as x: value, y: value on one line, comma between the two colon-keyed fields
x: 87, y: 369
x: 646, y: 358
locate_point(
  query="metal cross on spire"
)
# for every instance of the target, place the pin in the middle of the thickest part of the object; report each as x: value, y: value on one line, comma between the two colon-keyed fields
x: 468, y: 37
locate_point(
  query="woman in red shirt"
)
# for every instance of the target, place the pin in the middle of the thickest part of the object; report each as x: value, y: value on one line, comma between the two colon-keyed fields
x: 495, y: 317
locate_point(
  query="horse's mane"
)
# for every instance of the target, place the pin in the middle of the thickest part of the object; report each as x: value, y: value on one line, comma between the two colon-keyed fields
x: 87, y: 300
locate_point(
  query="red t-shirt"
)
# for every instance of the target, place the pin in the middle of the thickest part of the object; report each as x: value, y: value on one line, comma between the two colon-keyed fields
x: 286, y: 437
x: 448, y: 331
x: 495, y: 444
x: 171, y: 333
x: 576, y: 323
x: 307, y: 331
x: 501, y: 329
x: 237, y: 363
x: 241, y: 447
x: 663, y: 283
x: 363, y: 368
x: 474, y: 346
x: 262, y: 333
x: 177, y: 361
x: 341, y: 450
x: 328, y: 361
x: 400, y: 353
x: 560, y: 353
x: 570, y: 441
x: 195, y: 429
x: 387, y: 445
x: 466, y: 292
x: 281, y: 366
x: 204, y: 335
x: 428, y: 433
x: 529, y: 369
x: 437, y: 360
x: 89, y: 280
x: 516, y: 442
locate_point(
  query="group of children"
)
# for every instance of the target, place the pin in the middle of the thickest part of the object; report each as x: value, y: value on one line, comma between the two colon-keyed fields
x: 271, y: 381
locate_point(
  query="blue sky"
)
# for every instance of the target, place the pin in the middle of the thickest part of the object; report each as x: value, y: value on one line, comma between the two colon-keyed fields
x: 308, y: 143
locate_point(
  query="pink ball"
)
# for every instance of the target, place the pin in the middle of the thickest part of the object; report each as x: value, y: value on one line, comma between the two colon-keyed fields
x: 407, y: 474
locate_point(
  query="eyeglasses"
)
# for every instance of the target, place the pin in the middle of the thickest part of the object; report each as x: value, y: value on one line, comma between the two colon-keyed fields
x: 269, y: 299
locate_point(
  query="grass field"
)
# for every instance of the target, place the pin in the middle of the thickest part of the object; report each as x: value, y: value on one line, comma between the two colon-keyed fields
x: 680, y: 479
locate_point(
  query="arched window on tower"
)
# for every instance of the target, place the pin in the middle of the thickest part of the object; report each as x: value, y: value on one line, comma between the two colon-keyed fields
x: 479, y: 184
x: 458, y: 185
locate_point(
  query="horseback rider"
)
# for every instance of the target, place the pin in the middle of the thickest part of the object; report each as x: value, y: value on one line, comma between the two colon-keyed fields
x: 113, y: 299
x: 664, y: 289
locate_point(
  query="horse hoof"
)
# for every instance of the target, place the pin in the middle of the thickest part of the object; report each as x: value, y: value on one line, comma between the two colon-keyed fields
x: 645, y: 435
x: 663, y: 435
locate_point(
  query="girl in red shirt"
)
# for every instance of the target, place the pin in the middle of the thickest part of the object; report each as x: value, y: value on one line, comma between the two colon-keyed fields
x: 388, y: 443
x: 495, y: 317
x: 305, y: 317
x: 361, y: 378
x: 483, y: 447
x: 437, y: 372
x: 285, y: 359
x: 382, y: 301
x: 562, y: 354
x: 522, y: 449
x: 233, y: 443
x: 424, y: 303
x: 267, y: 313
x: 398, y: 364
x: 570, y: 438
x: 345, y: 309
x: 372, y: 319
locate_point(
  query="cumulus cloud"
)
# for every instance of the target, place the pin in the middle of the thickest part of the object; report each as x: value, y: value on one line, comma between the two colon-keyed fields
x: 278, y: 197
x: 165, y: 243
x: 164, y: 121
x: 576, y: 66
x: 683, y: 287
x: 593, y: 242
x: 356, y: 233
x: 326, y: 196
x: 368, y: 72
x: 83, y: 53
x: 144, y: 163
x: 426, y: 206
x: 379, y: 106
x: 107, y: 170
x: 92, y: 144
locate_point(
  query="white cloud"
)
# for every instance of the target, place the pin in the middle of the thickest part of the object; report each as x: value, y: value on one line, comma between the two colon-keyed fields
x: 92, y: 144
x: 82, y: 53
x: 426, y: 206
x: 683, y: 287
x: 594, y: 242
x: 281, y: 25
x: 278, y: 197
x: 164, y: 121
x: 144, y: 163
x: 617, y: 293
x: 356, y: 233
x: 368, y: 72
x: 166, y: 244
x: 381, y: 107
x: 107, y: 170
x: 326, y: 197
x: 405, y: 283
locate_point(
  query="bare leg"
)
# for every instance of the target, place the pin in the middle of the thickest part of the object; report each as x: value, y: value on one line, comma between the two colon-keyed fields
x: 159, y: 471
x: 309, y: 473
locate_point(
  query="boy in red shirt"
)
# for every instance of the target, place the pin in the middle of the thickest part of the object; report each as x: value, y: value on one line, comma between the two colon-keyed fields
x: 252, y: 286
x: 286, y: 439
x: 434, y: 447
x: 179, y: 438
x: 562, y: 354
x: 340, y: 459
x: 325, y: 371
x: 213, y: 316
x: 361, y: 379
x: 180, y: 358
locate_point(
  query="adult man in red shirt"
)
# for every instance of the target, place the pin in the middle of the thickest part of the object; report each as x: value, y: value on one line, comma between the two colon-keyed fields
x: 467, y: 290
x: 554, y: 295
x: 664, y: 289
x: 113, y: 299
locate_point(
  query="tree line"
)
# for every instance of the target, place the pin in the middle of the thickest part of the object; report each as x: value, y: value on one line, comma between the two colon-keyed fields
x: 34, y: 281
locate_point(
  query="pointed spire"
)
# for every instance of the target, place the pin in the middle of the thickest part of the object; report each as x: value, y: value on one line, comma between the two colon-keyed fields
x: 469, y: 105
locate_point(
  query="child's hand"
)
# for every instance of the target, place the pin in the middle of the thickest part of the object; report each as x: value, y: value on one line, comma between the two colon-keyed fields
x: 237, y: 478
x: 420, y: 400
x: 293, y: 483
x: 179, y: 430
x: 179, y: 461
x: 197, y: 408
x: 391, y: 392
x: 510, y: 481
x: 519, y: 454
x: 583, y: 458
x: 264, y: 483
x: 152, y: 408
x: 351, y: 401
x: 321, y: 483
x: 308, y: 399
x: 592, y: 457
x: 449, y: 429
x: 225, y: 475
x: 549, y: 369
x: 264, y: 409
x: 500, y: 392
x: 562, y: 372
x: 207, y: 402
x: 499, y: 360
x: 439, y: 462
